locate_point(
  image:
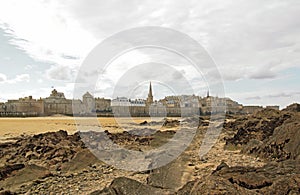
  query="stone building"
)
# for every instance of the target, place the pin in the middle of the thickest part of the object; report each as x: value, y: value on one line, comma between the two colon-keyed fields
x: 251, y: 109
x: 102, y: 105
x: 23, y: 107
x: 183, y: 105
x: 56, y: 103
x: 122, y: 106
x: 273, y: 107
x: 88, y: 103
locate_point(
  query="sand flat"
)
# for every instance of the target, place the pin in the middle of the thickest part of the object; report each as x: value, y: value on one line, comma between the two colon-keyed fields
x: 13, y: 127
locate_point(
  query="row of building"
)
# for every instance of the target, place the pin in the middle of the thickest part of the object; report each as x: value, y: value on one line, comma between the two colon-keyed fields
x: 56, y: 103
x: 182, y: 105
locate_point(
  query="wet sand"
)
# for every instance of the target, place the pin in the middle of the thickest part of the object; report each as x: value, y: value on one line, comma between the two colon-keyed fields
x: 14, y: 127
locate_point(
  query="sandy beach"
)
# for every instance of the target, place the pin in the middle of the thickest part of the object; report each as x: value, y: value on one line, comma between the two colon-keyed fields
x: 14, y: 127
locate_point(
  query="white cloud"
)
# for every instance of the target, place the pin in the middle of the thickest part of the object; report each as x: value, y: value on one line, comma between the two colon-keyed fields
x: 243, y: 34
x: 3, y: 78
x: 247, y: 39
x: 21, y: 78
x: 28, y: 67
x: 58, y: 72
x: 45, y: 31
x: 18, y: 78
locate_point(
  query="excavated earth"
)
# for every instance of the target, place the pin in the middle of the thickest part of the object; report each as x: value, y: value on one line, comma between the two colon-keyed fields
x: 254, y: 154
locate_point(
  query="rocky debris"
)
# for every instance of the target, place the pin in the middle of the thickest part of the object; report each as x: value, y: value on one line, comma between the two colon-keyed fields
x: 258, y: 126
x: 80, y: 161
x: 6, y: 170
x: 144, y: 123
x: 166, y: 122
x: 269, y: 134
x: 123, y: 185
x: 282, y: 145
x: 211, y: 185
x: 33, y: 157
x: 28, y: 174
x: 168, y: 176
x: 129, y: 139
x: 142, y: 132
x: 273, y: 178
x: 43, y: 149
x: 196, y: 121
x: 293, y: 108
x: 171, y: 123
x: 6, y: 192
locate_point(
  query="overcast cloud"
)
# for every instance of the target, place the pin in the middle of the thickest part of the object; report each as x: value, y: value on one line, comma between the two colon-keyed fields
x: 254, y: 43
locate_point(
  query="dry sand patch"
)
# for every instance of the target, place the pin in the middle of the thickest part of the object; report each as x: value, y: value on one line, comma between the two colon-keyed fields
x: 14, y: 127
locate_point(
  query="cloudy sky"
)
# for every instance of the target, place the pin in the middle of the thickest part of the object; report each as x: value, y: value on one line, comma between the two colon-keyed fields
x: 255, y: 45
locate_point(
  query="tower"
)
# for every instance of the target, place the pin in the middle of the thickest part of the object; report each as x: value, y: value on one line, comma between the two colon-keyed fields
x: 150, y: 96
x: 89, y: 102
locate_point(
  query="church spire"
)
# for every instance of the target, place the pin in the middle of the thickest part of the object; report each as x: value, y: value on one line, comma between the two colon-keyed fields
x: 150, y: 96
x: 150, y: 90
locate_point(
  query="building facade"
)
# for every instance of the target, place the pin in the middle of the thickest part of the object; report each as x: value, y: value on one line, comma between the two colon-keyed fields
x: 183, y: 105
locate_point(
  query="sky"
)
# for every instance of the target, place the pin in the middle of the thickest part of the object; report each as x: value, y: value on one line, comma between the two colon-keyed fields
x: 254, y: 44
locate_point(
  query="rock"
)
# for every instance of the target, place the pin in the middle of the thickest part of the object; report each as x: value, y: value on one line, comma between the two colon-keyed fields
x: 7, y: 192
x: 81, y: 160
x: 187, y: 188
x: 46, y: 149
x: 212, y: 185
x: 270, y: 179
x: 6, y: 170
x: 29, y: 173
x: 123, y: 185
x: 171, y: 176
x: 259, y: 126
x: 171, y: 123
x: 282, y: 145
x: 144, y: 123
x: 293, y: 108
x: 221, y: 166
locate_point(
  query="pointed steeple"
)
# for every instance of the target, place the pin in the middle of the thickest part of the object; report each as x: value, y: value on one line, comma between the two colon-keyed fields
x: 150, y: 96
x: 150, y: 90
